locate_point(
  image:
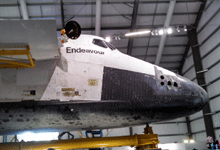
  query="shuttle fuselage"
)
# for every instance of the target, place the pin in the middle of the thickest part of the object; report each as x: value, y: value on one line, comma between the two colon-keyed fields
x: 93, y: 85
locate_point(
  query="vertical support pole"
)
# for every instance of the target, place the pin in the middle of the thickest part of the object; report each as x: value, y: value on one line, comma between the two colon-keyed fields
x: 201, y: 10
x: 4, y: 138
x: 131, y: 131
x: 192, y: 35
x: 62, y: 13
x: 24, y: 10
x: 189, y: 128
x: 133, y: 22
x: 164, y: 36
x: 98, y: 17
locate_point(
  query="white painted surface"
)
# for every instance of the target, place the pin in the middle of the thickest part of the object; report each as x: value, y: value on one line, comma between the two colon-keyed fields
x: 190, y: 74
x: 38, y: 76
x: 214, y: 88
x: 196, y: 115
x: 209, y: 12
x: 123, y: 148
x: 212, y: 42
x: 217, y: 134
x: 82, y: 66
x: 40, y: 35
x: 80, y: 62
x: 199, y: 145
x: 211, y: 58
x: 116, y: 132
x: 214, y: 104
x: 198, y: 125
x: 172, y: 146
x: 216, y: 118
x: 200, y: 137
x: 177, y: 128
x: 213, y: 73
x: 188, y: 63
x: 98, y: 17
x: 172, y: 139
x: 178, y: 119
x: 24, y: 9
x: 44, y: 136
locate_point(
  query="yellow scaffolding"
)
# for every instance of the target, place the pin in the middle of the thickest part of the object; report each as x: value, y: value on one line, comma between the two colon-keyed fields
x: 144, y: 141
x: 16, y: 64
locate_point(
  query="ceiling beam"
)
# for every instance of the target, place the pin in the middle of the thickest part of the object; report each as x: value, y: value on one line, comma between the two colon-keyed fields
x: 158, y: 36
x: 129, y: 27
x: 103, y: 15
x: 93, y: 3
x: 166, y: 25
x: 129, y: 15
x: 154, y: 55
x: 24, y: 10
x: 168, y: 62
x: 154, y: 46
x: 133, y: 22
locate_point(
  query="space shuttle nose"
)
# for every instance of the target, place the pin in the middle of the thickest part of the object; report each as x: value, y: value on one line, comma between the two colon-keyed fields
x: 204, y: 95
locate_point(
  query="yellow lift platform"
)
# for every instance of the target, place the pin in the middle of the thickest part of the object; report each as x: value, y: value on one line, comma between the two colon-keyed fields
x: 6, y: 63
x: 148, y: 140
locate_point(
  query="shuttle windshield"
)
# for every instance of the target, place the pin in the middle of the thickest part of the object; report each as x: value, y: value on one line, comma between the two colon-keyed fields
x: 110, y: 45
x: 103, y: 44
x: 99, y: 43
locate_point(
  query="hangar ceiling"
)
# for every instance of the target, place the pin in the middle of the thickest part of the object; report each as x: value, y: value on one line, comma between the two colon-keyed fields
x: 118, y: 18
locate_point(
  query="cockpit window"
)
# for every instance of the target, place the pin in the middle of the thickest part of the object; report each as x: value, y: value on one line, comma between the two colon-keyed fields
x: 99, y: 43
x: 110, y: 45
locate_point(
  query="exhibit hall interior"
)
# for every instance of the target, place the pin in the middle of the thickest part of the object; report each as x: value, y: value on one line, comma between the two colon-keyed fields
x: 109, y: 74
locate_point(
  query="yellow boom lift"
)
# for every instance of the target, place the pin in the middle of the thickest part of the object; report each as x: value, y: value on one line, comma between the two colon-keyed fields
x: 148, y: 140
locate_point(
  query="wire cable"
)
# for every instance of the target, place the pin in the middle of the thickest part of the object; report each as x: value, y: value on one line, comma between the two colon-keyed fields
x: 121, y: 14
x: 77, y: 12
x: 187, y: 12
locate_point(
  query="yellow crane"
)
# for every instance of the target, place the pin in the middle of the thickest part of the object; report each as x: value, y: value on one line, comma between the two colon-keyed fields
x: 148, y: 140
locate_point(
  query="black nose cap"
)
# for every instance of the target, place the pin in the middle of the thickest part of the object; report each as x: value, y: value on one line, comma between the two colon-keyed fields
x: 204, y: 95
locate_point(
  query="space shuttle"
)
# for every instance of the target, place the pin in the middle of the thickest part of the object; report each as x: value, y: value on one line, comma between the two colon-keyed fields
x: 92, y: 85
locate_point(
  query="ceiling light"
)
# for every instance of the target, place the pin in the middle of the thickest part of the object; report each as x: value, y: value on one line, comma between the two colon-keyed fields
x: 186, y: 141
x: 41, y: 136
x: 169, y: 30
x: 191, y: 141
x: 185, y: 29
x: 178, y: 29
x: 152, y: 33
x: 161, y: 32
x: 108, y: 39
x: 137, y: 33
x: 156, y: 32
